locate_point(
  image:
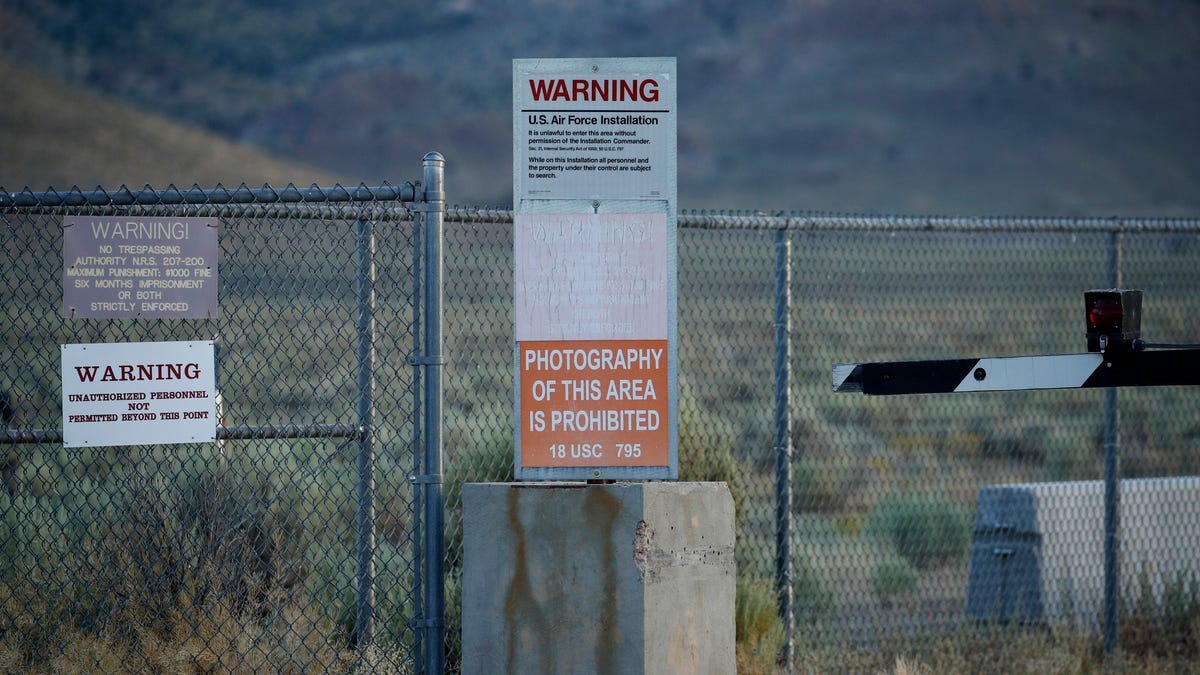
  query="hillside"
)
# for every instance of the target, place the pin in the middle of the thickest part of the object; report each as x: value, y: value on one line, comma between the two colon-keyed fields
x: 996, y: 106
x: 52, y: 134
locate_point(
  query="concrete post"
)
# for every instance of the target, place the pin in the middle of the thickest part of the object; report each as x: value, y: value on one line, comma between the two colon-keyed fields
x: 622, y: 578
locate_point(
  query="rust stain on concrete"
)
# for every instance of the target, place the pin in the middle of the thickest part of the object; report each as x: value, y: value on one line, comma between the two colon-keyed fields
x: 602, y: 509
x: 522, y: 613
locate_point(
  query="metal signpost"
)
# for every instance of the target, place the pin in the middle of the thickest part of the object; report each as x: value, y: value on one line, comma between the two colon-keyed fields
x: 594, y: 191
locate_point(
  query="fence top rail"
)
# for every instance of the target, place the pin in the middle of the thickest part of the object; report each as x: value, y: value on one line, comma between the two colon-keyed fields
x: 926, y: 223
x: 757, y: 220
x: 695, y: 219
x: 220, y: 195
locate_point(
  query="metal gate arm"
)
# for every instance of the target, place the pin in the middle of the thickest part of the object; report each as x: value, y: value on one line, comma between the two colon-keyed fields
x: 1168, y: 367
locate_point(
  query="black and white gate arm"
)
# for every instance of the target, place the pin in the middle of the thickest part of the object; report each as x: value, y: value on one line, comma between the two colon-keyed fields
x: 1055, y: 371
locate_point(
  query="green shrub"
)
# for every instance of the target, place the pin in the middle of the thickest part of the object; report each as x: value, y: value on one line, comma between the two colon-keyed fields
x: 1064, y: 457
x: 814, y: 600
x: 702, y: 459
x: 821, y: 485
x: 925, y: 529
x: 894, y: 578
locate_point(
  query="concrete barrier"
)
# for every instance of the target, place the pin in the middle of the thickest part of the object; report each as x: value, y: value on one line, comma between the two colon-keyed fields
x: 1038, y: 553
x: 618, y: 578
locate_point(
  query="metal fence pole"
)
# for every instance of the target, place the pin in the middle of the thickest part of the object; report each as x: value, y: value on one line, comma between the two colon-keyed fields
x: 783, y: 435
x: 1112, y: 479
x: 418, y: 439
x: 434, y: 204
x: 364, y: 627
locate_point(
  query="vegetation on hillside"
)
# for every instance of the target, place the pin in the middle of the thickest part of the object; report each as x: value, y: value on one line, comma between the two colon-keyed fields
x: 787, y: 104
x: 55, y: 135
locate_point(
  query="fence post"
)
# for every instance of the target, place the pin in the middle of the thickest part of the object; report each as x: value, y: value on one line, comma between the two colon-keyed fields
x: 365, y: 290
x: 783, y: 435
x: 1112, y: 480
x: 433, y: 626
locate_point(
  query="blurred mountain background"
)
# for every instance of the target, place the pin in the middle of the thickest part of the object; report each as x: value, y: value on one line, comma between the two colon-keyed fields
x: 1083, y: 107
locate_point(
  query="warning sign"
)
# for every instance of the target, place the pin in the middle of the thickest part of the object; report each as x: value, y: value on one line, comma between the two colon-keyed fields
x: 144, y: 267
x: 593, y: 308
x: 138, y: 393
x: 594, y: 403
x: 594, y: 129
x: 594, y: 249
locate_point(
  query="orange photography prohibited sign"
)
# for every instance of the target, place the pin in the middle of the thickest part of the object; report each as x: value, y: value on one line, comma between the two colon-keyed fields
x: 594, y: 403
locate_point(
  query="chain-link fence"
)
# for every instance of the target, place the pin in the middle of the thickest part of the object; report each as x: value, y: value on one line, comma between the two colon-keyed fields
x: 883, y: 491
x: 291, y: 540
x: 247, y: 554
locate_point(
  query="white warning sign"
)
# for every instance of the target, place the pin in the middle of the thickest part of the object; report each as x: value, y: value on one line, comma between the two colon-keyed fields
x: 602, y: 129
x: 138, y: 393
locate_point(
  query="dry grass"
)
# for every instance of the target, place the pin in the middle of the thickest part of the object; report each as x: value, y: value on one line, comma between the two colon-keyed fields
x: 175, y: 588
x: 760, y: 632
x: 210, y: 639
x: 991, y: 650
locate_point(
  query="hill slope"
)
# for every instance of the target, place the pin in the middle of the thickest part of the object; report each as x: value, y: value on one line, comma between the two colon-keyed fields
x: 1073, y: 107
x: 52, y: 134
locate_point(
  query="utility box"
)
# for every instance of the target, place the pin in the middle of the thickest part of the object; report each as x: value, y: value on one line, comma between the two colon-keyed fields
x: 622, y: 578
x: 1038, y: 552
x: 1005, y: 577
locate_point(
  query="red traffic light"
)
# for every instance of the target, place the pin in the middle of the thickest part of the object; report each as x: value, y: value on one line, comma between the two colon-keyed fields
x: 1114, y: 319
x: 1104, y: 315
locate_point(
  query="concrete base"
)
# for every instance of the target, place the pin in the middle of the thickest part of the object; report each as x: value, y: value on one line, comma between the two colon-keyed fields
x: 619, y: 578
